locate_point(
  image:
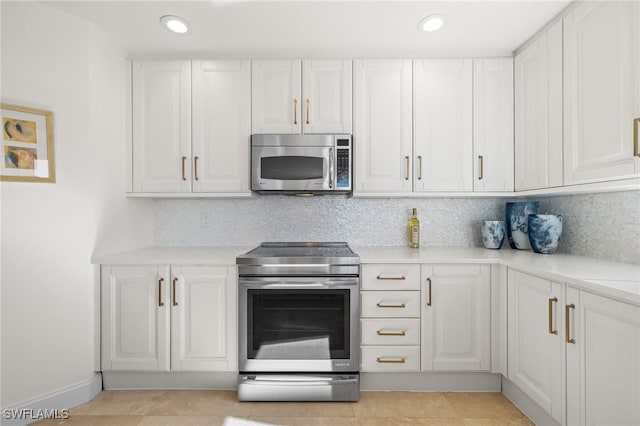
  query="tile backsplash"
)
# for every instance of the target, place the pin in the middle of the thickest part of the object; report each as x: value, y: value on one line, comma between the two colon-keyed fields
x: 598, y: 225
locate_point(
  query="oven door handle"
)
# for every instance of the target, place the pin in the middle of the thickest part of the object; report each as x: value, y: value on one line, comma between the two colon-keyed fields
x: 300, y: 285
x: 301, y: 380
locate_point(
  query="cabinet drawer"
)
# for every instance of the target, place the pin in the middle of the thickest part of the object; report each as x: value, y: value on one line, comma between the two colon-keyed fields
x: 390, y: 331
x: 390, y: 358
x: 390, y: 304
x: 390, y: 277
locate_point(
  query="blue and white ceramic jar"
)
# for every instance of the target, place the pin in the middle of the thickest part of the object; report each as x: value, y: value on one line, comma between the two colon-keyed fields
x: 517, y: 215
x: 493, y: 232
x: 544, y: 232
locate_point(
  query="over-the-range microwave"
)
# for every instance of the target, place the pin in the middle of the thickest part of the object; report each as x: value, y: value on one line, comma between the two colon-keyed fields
x: 301, y: 164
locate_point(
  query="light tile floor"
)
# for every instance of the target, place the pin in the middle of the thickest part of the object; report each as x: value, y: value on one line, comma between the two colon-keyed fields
x: 210, y: 407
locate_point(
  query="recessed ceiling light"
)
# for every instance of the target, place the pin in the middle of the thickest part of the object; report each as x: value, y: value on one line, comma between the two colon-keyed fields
x: 432, y: 22
x: 175, y: 24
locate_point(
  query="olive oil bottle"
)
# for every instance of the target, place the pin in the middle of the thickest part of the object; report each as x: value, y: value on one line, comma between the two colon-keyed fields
x: 414, y: 230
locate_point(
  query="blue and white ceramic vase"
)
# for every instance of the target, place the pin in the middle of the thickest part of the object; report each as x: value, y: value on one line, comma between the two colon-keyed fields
x: 493, y: 233
x: 544, y: 232
x: 517, y: 215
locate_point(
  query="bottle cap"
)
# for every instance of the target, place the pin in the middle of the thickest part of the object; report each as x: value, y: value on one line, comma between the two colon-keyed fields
x: 415, y: 211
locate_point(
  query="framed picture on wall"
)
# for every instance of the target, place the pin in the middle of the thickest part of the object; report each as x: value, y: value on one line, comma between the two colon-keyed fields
x: 27, y: 144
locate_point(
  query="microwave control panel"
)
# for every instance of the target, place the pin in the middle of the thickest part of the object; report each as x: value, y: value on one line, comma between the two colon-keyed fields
x: 343, y: 163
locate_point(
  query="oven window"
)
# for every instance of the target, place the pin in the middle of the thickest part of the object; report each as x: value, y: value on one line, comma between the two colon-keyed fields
x: 291, y: 167
x: 298, y: 324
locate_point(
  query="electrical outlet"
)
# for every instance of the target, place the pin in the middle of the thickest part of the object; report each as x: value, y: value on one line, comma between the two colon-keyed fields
x: 205, y: 220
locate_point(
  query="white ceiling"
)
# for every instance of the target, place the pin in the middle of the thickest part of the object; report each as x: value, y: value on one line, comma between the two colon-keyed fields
x: 318, y: 28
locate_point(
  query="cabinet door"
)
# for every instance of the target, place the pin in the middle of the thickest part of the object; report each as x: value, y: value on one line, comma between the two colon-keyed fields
x: 382, y: 135
x: 456, y: 317
x: 538, y: 113
x: 327, y: 96
x: 603, y: 362
x: 493, y: 124
x: 535, y: 346
x: 601, y: 91
x: 276, y: 96
x: 203, y: 318
x: 221, y: 125
x: 443, y: 126
x: 135, y: 318
x: 161, y: 124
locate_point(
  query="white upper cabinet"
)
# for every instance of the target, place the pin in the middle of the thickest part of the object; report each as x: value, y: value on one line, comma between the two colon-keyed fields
x: 161, y: 126
x: 382, y: 125
x: 493, y: 124
x: 327, y: 99
x: 601, y: 91
x: 284, y: 102
x: 191, y: 126
x: 221, y: 125
x: 443, y: 126
x: 276, y: 96
x: 538, y: 112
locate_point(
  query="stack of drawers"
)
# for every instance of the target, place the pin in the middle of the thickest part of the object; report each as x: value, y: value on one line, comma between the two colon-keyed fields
x: 390, y: 317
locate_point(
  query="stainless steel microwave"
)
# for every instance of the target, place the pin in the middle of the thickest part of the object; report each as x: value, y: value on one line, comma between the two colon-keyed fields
x: 301, y: 164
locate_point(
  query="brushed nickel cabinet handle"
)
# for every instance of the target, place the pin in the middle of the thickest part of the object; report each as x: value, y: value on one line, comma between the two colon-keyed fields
x: 295, y: 111
x: 406, y: 167
x: 429, y: 282
x: 384, y: 360
x: 184, y: 159
x: 160, y: 302
x: 551, y: 302
x: 567, y: 317
x: 175, y: 301
x: 380, y: 277
x: 481, y: 174
x: 636, y: 149
x: 391, y: 305
x: 419, y: 167
x: 391, y: 333
x: 308, y: 108
x: 195, y: 167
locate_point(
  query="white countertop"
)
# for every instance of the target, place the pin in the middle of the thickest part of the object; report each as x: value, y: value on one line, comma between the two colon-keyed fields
x: 613, y: 279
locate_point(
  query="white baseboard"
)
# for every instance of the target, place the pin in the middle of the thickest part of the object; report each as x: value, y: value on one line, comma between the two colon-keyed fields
x: 528, y: 406
x: 431, y: 382
x: 27, y: 412
x: 170, y: 380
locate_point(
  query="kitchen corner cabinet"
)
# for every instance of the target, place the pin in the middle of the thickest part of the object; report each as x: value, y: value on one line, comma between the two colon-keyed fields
x: 603, y: 360
x: 190, y: 126
x: 456, y: 317
x: 382, y: 125
x: 443, y: 125
x: 538, y: 113
x: 601, y: 91
x: 162, y: 318
x: 294, y: 97
x: 493, y: 124
x: 535, y: 340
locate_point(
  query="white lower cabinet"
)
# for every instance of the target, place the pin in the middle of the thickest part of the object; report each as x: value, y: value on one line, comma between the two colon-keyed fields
x: 535, y: 344
x: 162, y: 318
x: 390, y: 318
x: 603, y: 360
x: 456, y: 317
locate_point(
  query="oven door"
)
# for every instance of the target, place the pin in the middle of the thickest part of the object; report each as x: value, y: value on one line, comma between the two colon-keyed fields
x: 298, y: 324
x: 289, y: 168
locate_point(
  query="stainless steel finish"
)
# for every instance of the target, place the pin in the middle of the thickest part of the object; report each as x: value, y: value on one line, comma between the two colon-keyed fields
x: 332, y: 171
x: 299, y: 283
x: 307, y: 387
x: 419, y: 167
x: 406, y: 167
x: 299, y: 369
x: 324, y: 147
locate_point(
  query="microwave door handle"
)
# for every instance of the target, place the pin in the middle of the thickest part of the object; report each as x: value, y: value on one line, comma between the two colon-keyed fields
x: 331, y: 168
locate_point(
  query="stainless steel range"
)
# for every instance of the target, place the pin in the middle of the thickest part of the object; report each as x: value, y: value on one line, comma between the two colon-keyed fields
x: 298, y: 323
